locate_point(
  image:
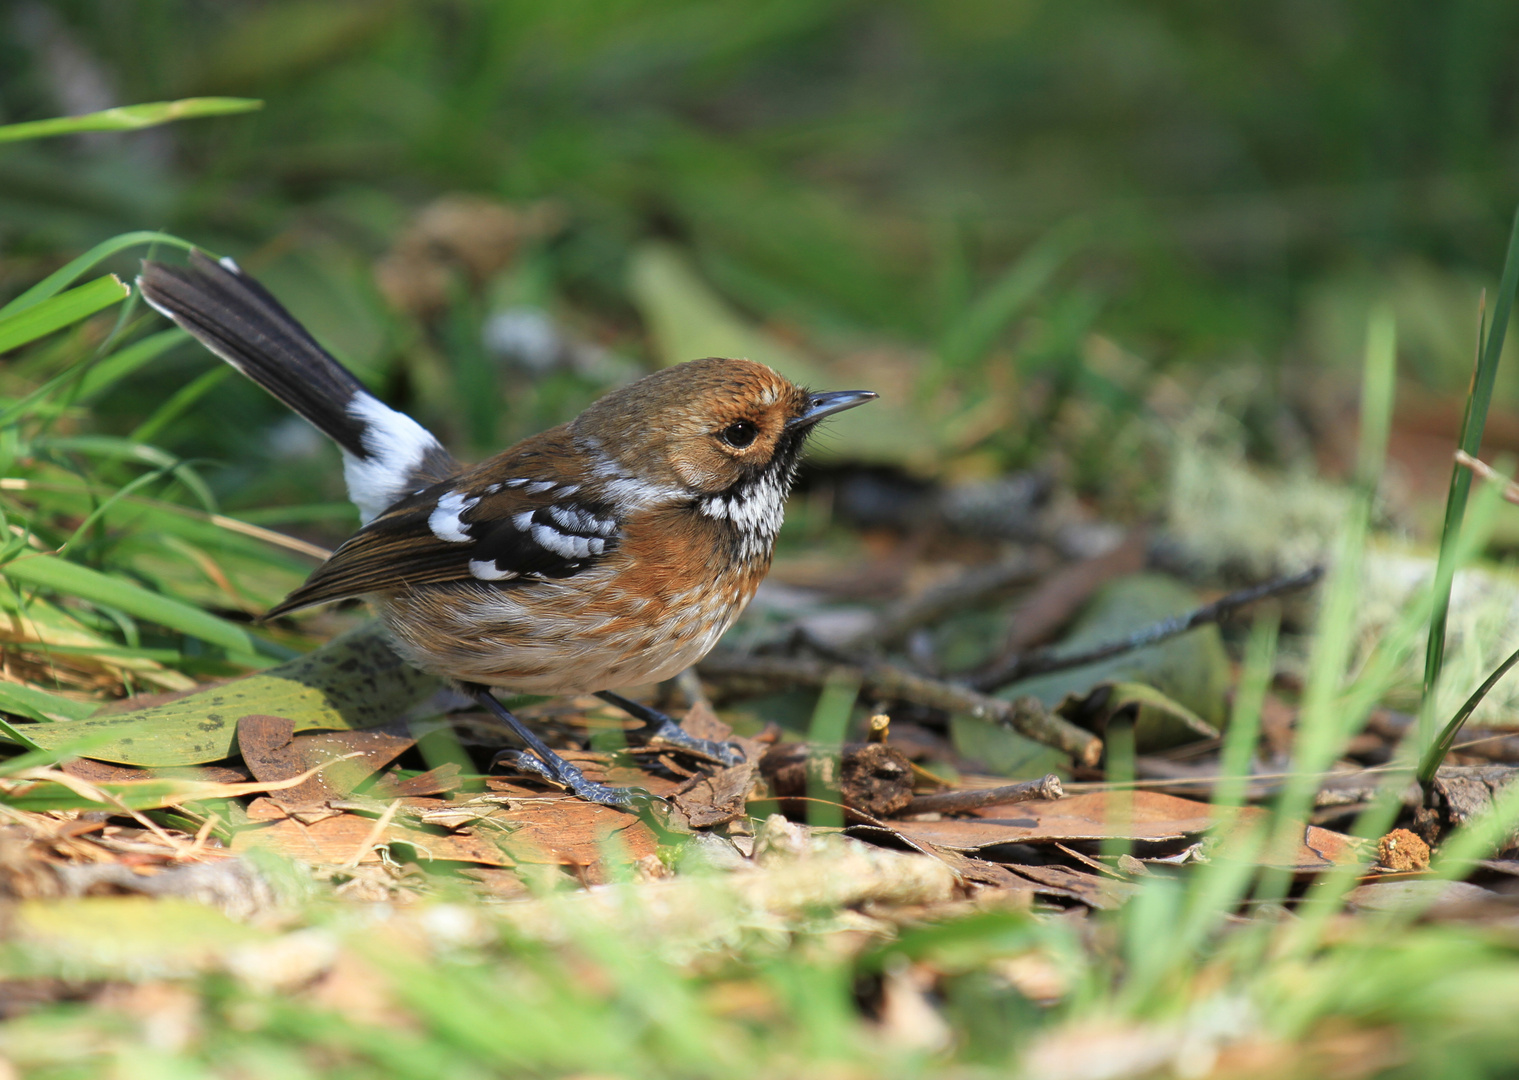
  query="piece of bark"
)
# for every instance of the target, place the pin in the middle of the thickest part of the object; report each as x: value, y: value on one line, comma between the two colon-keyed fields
x: 872, y: 777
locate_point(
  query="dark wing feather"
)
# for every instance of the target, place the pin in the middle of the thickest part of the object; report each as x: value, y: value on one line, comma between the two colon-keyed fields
x: 475, y: 527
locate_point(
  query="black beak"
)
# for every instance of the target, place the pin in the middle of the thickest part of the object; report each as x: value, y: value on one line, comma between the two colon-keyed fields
x: 834, y: 401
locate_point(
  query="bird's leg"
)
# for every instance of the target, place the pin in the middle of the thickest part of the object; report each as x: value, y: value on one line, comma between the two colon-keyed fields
x: 549, y: 765
x: 659, y: 726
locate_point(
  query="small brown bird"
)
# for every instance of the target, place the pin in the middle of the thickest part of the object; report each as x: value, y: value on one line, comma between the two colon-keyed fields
x: 607, y: 552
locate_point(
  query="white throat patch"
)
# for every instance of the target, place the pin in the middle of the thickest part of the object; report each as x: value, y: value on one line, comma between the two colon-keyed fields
x: 756, y: 512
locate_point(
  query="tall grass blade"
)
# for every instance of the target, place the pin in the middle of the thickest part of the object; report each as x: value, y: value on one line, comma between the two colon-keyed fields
x: 60, y: 575
x: 1430, y: 763
x: 71, y: 271
x: 128, y: 117
x: 42, y: 319
x: 1472, y: 424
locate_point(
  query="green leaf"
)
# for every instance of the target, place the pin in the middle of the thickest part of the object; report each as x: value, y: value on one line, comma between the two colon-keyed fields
x: 40, y: 705
x: 354, y: 681
x: 65, y: 275
x: 60, y: 575
x: 70, y: 307
x: 1192, y: 669
x: 1159, y: 722
x: 129, y: 117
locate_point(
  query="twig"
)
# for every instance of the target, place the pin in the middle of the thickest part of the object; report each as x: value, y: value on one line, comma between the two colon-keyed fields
x: 949, y: 802
x: 1487, y: 472
x: 1027, y: 716
x: 1043, y: 661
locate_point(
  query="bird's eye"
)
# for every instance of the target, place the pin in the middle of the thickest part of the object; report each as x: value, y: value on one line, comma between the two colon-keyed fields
x: 739, y: 435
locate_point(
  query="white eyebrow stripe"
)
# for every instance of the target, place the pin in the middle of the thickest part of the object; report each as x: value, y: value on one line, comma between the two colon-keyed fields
x: 446, y: 520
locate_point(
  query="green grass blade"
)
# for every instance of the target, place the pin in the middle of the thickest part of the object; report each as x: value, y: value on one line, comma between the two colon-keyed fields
x: 129, y: 117
x: 70, y: 307
x: 1472, y: 425
x: 60, y: 575
x: 1243, y: 733
x: 180, y: 402
x: 1430, y: 763
x: 75, y: 268
x: 40, y: 705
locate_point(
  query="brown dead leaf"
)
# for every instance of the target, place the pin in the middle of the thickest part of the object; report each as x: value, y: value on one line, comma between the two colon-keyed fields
x: 272, y: 752
x: 337, y: 840
x: 439, y: 781
x: 716, y: 799
x: 1090, y: 889
x: 1097, y: 816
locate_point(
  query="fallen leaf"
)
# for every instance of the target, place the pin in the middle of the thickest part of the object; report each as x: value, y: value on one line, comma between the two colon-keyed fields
x: 354, y: 681
x: 1097, y: 816
x: 272, y: 751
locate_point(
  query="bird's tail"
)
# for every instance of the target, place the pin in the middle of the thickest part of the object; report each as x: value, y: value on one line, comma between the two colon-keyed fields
x: 386, y: 454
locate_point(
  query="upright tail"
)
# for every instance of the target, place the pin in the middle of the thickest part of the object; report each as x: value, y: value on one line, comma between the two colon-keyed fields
x: 386, y: 454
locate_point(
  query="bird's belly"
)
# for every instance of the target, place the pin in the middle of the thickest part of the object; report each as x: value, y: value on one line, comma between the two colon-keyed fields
x: 588, y: 639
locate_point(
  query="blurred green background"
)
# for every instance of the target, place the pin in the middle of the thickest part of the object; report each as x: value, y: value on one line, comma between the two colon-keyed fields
x: 1039, y: 228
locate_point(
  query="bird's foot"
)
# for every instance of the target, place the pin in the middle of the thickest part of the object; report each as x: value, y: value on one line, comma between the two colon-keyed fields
x: 659, y: 727
x: 570, y: 777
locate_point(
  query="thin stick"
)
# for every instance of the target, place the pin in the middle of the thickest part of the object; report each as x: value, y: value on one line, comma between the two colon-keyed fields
x: 1487, y: 472
x: 1027, y: 716
x: 1043, y: 661
x: 949, y: 802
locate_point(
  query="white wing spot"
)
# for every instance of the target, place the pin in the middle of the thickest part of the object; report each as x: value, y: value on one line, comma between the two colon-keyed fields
x: 446, y: 520
x: 571, y: 547
x: 486, y: 570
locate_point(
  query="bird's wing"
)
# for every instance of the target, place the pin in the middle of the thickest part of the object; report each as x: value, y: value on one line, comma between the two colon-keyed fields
x: 513, y: 519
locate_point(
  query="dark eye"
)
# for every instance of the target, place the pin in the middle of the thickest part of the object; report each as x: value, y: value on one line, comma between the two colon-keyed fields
x: 739, y: 435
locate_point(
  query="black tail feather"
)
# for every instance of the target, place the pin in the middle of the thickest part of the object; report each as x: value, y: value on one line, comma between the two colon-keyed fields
x: 236, y: 318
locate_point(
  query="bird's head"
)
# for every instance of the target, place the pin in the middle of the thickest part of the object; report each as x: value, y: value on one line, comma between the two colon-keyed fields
x: 712, y: 429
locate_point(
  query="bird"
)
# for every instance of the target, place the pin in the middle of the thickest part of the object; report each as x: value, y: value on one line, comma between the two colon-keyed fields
x: 608, y: 552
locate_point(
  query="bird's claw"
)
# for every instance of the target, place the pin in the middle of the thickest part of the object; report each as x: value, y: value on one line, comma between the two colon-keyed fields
x: 568, y: 776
